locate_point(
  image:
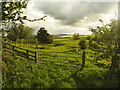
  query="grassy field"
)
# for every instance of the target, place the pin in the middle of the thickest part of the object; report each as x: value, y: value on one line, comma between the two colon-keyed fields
x: 19, y: 72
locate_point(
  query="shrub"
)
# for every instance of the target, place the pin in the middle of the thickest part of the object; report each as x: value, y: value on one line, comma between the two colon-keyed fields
x: 76, y: 36
x: 90, y: 78
x: 83, y: 43
x: 93, y: 44
x: 89, y: 37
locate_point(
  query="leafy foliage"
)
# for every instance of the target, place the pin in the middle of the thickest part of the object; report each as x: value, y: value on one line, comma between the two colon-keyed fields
x: 83, y: 43
x: 106, y: 40
x: 44, y: 37
x: 76, y: 36
x: 11, y: 11
x: 19, y: 31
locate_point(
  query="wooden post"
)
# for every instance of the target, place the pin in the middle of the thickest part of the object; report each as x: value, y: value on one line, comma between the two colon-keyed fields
x: 83, y: 59
x: 13, y: 48
x: 36, y: 57
x: 27, y: 54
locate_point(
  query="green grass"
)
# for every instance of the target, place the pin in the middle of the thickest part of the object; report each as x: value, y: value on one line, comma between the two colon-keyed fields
x: 19, y: 72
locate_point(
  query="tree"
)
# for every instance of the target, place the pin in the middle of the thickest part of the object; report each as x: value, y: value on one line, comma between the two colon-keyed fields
x: 12, y: 13
x: 44, y: 37
x: 19, y: 31
x: 107, y: 38
x: 76, y: 36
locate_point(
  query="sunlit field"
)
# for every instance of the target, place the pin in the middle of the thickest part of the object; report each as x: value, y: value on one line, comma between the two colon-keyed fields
x: 60, y: 44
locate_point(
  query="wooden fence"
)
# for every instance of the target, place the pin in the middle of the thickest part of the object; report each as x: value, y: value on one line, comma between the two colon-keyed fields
x: 54, y: 57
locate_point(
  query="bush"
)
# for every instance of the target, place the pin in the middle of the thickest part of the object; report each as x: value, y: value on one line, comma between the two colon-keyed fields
x: 93, y: 44
x: 89, y: 37
x: 83, y: 43
x: 12, y: 37
x: 90, y: 78
x: 76, y: 36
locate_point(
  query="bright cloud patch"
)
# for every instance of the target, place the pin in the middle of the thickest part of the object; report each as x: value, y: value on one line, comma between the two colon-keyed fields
x: 69, y: 17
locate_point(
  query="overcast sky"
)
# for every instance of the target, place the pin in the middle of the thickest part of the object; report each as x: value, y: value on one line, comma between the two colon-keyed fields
x: 69, y: 17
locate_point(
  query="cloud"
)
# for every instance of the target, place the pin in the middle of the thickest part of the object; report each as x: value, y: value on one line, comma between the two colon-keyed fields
x: 71, y: 12
x: 68, y: 17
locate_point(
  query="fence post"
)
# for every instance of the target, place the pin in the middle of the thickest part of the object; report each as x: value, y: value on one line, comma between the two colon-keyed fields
x: 13, y: 48
x: 36, y: 57
x: 83, y: 58
x: 27, y: 54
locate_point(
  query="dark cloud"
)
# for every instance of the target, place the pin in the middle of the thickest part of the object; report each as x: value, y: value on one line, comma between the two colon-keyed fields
x: 71, y: 12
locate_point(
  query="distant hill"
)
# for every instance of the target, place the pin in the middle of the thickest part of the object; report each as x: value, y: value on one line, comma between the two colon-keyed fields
x: 62, y: 34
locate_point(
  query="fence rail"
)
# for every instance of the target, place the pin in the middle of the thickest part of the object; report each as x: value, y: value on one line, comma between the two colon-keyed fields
x: 60, y: 52
x: 53, y: 57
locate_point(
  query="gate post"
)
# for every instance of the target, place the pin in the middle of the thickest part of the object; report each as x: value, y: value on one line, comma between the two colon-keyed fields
x: 27, y: 54
x: 83, y: 58
x: 13, y: 49
x: 36, y: 57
